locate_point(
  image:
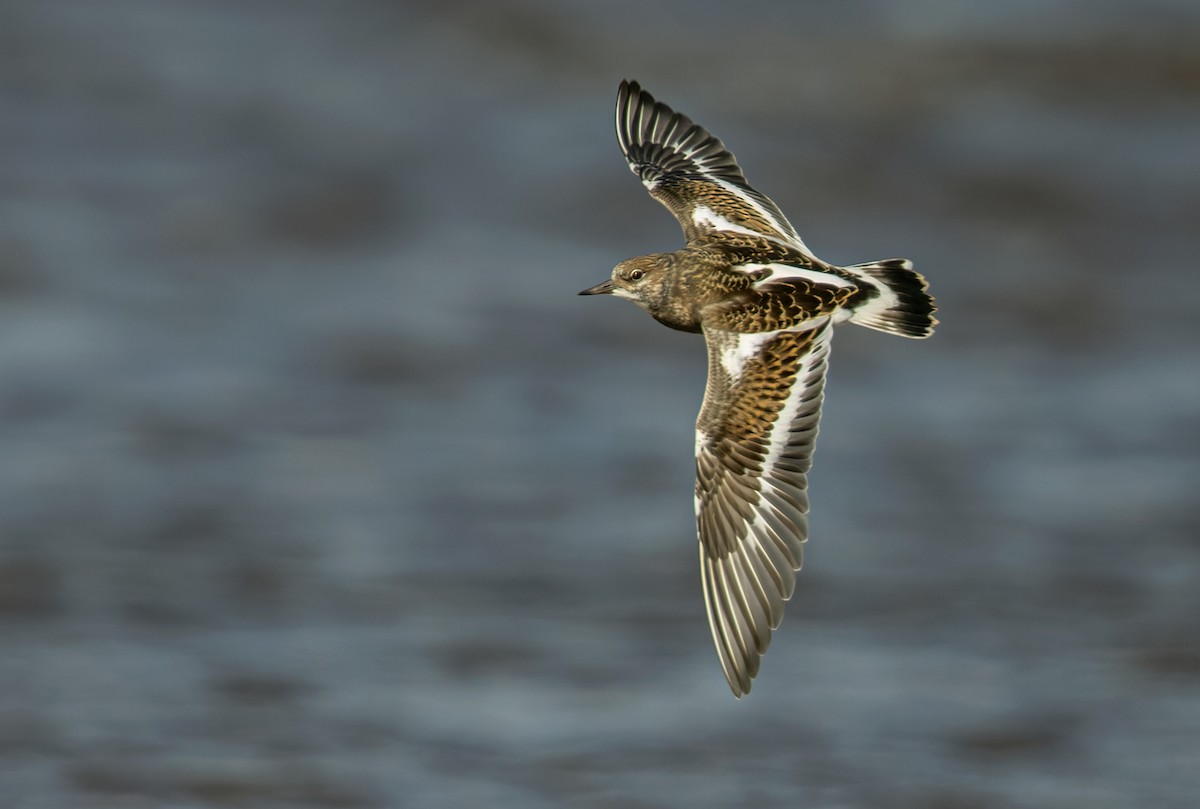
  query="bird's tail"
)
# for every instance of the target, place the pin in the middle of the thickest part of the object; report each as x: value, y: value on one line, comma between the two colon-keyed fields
x: 903, y: 307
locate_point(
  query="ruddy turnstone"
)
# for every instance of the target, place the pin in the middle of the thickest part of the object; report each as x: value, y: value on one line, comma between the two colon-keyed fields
x: 766, y: 307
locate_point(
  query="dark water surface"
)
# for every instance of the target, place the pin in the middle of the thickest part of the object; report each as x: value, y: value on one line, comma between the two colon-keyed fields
x: 320, y: 487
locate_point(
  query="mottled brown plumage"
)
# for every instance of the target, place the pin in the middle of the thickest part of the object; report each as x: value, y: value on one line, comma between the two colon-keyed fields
x: 766, y: 306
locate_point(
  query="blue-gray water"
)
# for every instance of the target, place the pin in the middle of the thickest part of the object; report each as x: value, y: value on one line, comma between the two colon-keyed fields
x: 320, y: 487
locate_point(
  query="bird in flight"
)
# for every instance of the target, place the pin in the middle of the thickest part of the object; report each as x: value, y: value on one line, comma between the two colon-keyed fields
x: 766, y: 306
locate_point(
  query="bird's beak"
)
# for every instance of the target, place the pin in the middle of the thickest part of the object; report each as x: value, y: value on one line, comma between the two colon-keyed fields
x: 602, y: 288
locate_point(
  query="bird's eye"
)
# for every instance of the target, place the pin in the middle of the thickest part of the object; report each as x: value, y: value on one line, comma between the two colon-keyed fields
x: 636, y: 275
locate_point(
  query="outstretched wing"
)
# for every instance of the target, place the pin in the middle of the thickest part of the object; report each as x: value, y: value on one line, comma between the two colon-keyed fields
x: 692, y: 173
x: 754, y: 446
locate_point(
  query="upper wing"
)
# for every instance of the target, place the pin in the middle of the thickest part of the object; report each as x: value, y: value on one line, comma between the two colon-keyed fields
x: 692, y: 173
x: 754, y: 445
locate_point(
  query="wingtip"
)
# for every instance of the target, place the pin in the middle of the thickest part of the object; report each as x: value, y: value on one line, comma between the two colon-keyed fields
x: 631, y: 95
x: 625, y: 90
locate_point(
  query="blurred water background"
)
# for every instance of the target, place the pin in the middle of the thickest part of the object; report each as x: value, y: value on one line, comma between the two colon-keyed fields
x: 320, y: 487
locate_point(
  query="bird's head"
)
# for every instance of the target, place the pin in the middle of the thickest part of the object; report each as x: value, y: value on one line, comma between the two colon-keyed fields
x: 642, y: 280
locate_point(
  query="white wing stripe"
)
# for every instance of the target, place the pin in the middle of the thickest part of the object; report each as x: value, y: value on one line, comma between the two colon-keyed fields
x: 735, y: 352
x: 783, y: 271
x: 813, y: 360
x: 783, y: 227
x: 705, y: 217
